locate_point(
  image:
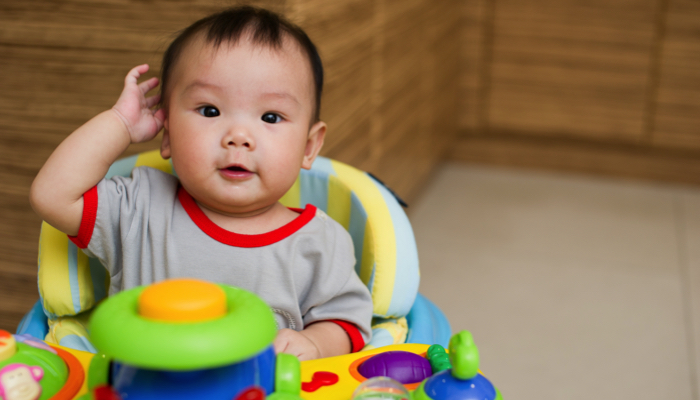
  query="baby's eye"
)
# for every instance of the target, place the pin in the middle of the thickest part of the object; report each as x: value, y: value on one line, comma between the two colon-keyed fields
x: 208, y: 111
x: 271, y: 118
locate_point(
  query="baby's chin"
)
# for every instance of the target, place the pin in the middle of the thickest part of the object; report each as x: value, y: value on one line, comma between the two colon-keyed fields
x: 235, y: 209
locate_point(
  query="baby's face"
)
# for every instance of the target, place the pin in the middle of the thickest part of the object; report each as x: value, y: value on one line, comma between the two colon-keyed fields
x: 238, y: 123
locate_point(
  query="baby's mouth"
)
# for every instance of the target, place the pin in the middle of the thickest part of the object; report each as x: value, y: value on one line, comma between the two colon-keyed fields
x: 236, y: 172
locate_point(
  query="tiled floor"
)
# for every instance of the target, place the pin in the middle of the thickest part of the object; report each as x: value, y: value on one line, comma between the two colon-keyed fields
x: 573, y: 287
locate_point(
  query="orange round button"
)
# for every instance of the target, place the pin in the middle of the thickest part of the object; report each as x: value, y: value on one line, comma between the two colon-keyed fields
x: 182, y: 300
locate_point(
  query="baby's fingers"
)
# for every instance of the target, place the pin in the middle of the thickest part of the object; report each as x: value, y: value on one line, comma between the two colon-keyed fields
x: 285, y: 341
x: 159, y: 117
x: 147, y: 86
x: 134, y: 74
x: 152, y: 101
x: 280, y: 344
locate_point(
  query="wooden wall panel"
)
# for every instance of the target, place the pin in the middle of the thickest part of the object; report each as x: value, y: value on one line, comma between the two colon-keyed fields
x: 475, y: 52
x: 601, y: 86
x: 447, y: 63
x: 401, y: 110
x: 403, y: 122
x: 402, y: 58
x: 419, y: 53
x: 677, y: 119
x: 570, y: 68
x: 594, y: 158
x: 105, y: 25
x: 391, y: 77
x: 48, y: 88
x: 344, y: 33
x: 442, y: 90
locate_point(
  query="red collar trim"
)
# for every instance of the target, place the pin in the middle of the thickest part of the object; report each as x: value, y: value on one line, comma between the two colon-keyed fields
x: 239, y: 240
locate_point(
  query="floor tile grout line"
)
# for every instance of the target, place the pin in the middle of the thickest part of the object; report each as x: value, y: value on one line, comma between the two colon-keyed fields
x: 684, y: 265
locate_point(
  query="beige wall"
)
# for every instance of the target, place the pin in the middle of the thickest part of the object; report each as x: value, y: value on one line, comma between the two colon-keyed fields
x: 389, y: 99
x: 611, y: 87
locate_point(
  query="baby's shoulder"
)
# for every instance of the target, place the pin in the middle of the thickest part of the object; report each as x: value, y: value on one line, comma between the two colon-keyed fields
x: 328, y: 246
x: 322, y: 219
x: 155, y: 179
x: 143, y: 174
x: 153, y: 174
x: 328, y: 231
x: 144, y: 184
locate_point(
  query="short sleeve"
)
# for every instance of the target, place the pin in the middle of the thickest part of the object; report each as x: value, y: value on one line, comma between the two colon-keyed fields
x: 87, y: 222
x: 122, y: 215
x: 338, y: 294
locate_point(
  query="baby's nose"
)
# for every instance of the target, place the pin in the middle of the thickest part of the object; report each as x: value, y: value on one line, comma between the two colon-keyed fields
x: 239, y: 137
x: 245, y: 143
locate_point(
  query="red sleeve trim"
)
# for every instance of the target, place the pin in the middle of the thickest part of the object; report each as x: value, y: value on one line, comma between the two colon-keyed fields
x: 236, y: 239
x: 356, y: 340
x: 87, y: 223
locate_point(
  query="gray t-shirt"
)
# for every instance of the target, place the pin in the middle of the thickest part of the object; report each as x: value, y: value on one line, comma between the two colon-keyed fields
x: 148, y: 228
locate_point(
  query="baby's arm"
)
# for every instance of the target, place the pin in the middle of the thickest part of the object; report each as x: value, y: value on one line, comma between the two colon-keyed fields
x: 84, y: 157
x: 321, y: 339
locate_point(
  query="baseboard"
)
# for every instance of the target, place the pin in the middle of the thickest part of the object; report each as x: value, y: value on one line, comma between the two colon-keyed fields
x: 628, y: 161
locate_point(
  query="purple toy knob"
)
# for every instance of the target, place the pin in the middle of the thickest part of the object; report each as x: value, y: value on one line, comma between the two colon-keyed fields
x: 402, y: 366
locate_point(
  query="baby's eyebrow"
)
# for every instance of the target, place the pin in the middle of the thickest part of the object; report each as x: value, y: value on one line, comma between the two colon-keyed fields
x: 281, y: 95
x: 197, y: 84
x: 200, y: 84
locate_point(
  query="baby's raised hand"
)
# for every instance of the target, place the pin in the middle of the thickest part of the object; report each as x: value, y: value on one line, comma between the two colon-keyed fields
x: 134, y: 108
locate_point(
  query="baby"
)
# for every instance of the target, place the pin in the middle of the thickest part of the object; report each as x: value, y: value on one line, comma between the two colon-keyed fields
x: 239, y: 104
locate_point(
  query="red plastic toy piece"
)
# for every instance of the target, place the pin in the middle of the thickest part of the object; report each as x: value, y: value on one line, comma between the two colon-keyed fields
x: 105, y: 392
x: 254, y: 393
x: 318, y: 380
x: 76, y: 377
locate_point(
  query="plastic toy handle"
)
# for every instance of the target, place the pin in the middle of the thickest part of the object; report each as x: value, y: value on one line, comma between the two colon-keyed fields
x: 464, y: 356
x: 287, y: 376
x: 98, y: 372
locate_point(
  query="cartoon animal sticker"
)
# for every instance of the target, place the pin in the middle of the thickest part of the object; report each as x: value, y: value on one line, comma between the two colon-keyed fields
x: 20, y: 382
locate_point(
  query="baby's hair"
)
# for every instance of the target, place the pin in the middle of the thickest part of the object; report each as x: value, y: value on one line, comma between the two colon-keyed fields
x: 264, y: 27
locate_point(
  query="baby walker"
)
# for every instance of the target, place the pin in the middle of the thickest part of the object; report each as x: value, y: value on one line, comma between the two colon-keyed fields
x: 149, y: 346
x: 189, y: 339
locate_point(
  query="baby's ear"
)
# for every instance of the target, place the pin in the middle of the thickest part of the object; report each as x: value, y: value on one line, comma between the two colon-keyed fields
x: 314, y: 142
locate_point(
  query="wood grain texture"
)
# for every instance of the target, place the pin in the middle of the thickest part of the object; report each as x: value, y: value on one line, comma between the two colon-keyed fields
x: 475, y: 52
x: 420, y: 59
x: 62, y: 63
x: 391, y: 93
x: 579, y: 156
x: 677, y: 118
x: 343, y: 33
x: 571, y: 68
x: 390, y: 96
x: 615, y: 85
